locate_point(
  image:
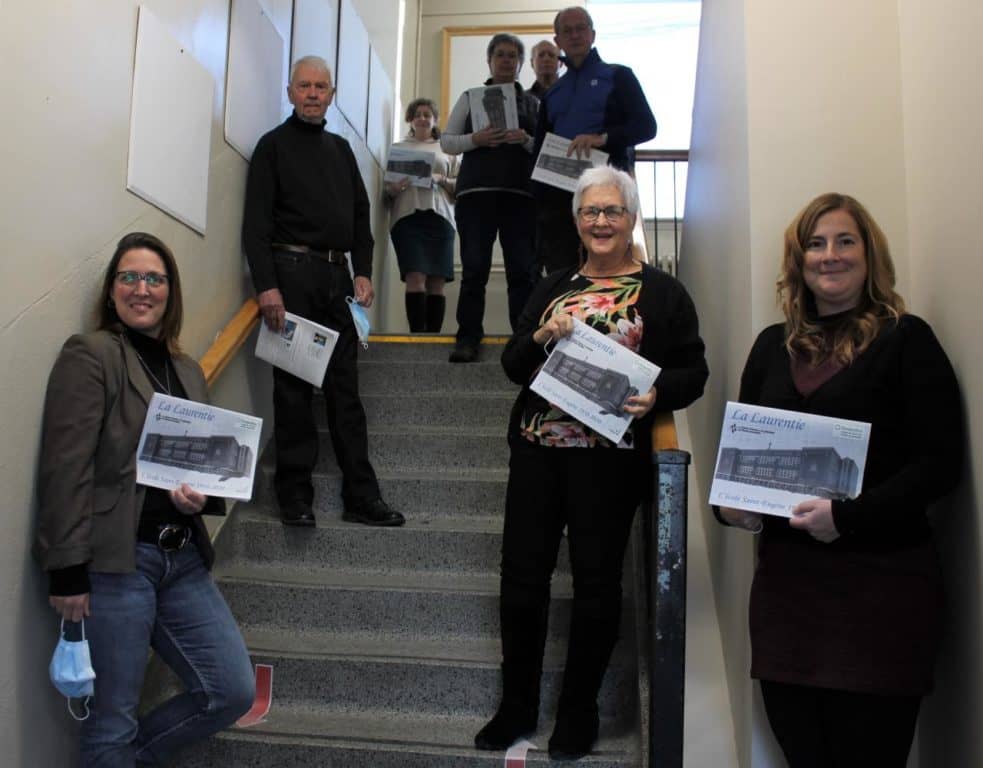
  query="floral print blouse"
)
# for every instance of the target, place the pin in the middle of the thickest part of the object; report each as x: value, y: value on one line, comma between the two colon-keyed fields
x: 607, y: 304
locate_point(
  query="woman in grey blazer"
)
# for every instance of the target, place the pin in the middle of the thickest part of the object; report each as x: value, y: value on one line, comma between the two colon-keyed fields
x: 132, y: 560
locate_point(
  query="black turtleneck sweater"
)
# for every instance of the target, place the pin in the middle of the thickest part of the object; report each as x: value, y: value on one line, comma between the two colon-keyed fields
x: 304, y: 188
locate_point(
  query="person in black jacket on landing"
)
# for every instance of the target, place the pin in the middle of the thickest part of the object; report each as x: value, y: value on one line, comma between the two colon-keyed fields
x: 846, y: 603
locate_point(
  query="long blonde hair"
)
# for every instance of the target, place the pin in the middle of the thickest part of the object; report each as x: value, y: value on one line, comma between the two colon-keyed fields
x: 879, y: 302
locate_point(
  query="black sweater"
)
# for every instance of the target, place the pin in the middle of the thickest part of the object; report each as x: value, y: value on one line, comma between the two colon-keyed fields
x: 304, y: 188
x: 670, y: 339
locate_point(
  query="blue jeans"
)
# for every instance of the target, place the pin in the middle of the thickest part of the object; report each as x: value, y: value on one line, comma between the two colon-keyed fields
x: 171, y: 604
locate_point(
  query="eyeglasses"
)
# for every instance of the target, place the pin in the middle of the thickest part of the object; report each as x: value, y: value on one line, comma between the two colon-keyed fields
x: 612, y: 213
x: 152, y: 279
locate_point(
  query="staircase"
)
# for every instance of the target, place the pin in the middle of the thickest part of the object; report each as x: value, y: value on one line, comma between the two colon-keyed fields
x: 384, y: 642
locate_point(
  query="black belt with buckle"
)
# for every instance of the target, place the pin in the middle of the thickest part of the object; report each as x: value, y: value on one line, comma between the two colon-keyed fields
x: 168, y: 537
x: 333, y: 257
x: 173, y: 537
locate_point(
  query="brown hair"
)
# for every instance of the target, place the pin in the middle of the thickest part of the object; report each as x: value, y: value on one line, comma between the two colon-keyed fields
x: 170, y: 327
x: 423, y: 102
x: 879, y: 302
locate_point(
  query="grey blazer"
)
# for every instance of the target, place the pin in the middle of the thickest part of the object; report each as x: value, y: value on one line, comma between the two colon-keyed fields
x: 94, y: 411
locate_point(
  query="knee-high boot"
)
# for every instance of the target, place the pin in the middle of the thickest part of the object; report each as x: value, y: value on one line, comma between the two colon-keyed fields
x: 524, y: 623
x: 416, y: 312
x: 593, y: 635
x: 435, y: 312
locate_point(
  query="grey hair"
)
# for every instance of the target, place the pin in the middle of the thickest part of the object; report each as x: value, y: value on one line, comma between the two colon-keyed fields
x: 314, y: 61
x: 606, y: 176
x: 540, y: 44
x: 568, y: 9
x: 507, y: 37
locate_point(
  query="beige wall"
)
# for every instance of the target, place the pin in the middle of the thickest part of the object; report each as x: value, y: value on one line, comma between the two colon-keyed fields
x: 65, y: 91
x: 943, y: 123
x: 871, y: 99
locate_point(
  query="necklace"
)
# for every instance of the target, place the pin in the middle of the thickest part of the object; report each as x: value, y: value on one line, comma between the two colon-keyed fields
x: 622, y: 269
x: 167, y: 376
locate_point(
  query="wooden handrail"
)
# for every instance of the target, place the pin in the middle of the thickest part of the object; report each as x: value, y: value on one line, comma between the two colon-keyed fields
x: 229, y: 340
x: 664, y: 436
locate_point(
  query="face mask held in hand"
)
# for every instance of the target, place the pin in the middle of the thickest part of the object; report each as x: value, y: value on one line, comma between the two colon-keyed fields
x: 71, y: 670
x: 361, y: 321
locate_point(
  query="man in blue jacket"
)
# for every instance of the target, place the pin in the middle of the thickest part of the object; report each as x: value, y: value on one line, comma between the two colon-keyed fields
x: 597, y: 106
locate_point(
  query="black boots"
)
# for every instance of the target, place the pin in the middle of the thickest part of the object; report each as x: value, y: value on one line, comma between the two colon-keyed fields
x: 425, y: 312
x: 523, y: 642
x: 416, y: 311
x: 435, y: 312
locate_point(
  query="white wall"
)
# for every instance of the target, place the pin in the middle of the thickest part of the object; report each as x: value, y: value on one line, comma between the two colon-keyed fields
x: 65, y: 91
x: 792, y: 100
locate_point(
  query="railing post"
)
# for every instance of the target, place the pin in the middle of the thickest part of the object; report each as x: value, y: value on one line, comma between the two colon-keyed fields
x: 667, y: 594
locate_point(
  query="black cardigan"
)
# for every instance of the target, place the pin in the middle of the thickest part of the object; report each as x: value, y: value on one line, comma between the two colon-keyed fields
x: 670, y: 339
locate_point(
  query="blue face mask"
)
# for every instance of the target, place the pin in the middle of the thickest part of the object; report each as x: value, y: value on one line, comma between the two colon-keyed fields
x: 361, y: 321
x: 71, y: 670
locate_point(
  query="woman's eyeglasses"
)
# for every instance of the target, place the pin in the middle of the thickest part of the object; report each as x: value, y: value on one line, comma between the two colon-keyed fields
x: 612, y: 213
x: 152, y: 279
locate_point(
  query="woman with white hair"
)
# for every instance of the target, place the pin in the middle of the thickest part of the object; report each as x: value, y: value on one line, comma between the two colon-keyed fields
x: 562, y: 473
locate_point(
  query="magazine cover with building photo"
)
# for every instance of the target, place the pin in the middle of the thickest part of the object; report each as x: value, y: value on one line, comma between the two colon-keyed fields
x: 494, y: 105
x: 211, y: 449
x: 770, y: 460
x: 590, y: 377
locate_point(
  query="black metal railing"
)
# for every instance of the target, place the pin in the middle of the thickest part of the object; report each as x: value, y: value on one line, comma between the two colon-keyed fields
x: 664, y: 637
x: 661, y: 177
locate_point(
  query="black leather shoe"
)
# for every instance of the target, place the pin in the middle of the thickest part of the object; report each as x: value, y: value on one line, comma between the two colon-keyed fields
x: 573, y: 735
x: 297, y: 513
x: 464, y: 352
x: 375, y: 512
x: 508, y: 725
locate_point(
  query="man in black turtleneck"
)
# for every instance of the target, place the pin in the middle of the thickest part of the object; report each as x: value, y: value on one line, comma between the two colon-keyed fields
x: 306, y: 207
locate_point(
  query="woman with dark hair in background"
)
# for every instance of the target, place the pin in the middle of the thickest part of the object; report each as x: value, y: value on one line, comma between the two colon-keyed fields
x: 494, y: 198
x: 421, y: 221
x: 129, y: 560
x: 846, y: 604
x: 562, y: 473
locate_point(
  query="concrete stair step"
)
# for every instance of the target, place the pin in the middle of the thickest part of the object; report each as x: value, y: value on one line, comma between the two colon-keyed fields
x: 424, y: 449
x: 428, y: 377
x: 441, y: 545
x: 413, y: 409
x: 296, y: 737
x: 425, y: 495
x: 431, y: 348
x: 423, y: 607
x: 411, y: 677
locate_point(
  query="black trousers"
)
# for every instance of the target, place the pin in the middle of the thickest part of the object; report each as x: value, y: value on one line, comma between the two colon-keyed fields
x: 557, y: 240
x: 316, y: 290
x: 480, y: 217
x: 594, y: 492
x: 824, y: 728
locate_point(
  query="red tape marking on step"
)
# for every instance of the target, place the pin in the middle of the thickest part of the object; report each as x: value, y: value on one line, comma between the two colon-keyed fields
x: 264, y: 697
x: 515, y: 756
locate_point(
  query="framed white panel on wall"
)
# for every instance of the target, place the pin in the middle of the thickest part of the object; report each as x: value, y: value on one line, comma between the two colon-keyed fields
x: 353, y: 67
x: 378, y: 132
x: 465, y: 59
x: 255, y: 78
x: 170, y: 125
x: 315, y: 31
